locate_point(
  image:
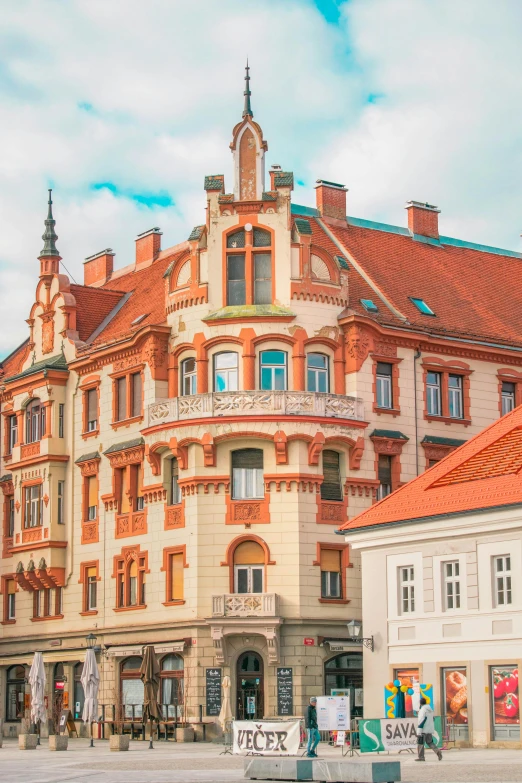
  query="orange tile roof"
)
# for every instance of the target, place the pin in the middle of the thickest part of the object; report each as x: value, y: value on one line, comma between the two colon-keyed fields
x: 92, y: 306
x: 12, y: 364
x: 485, y: 472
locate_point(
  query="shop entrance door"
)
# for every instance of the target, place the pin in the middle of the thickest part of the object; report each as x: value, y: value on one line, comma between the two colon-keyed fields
x: 250, y: 691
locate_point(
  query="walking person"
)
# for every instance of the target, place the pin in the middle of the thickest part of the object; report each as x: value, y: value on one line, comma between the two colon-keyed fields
x: 425, y: 729
x: 313, y: 731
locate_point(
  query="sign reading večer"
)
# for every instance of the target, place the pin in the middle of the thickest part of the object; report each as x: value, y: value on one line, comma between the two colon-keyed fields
x: 393, y: 734
x: 266, y: 739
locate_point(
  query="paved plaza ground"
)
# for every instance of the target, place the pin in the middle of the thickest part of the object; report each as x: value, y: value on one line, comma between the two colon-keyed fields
x: 202, y: 763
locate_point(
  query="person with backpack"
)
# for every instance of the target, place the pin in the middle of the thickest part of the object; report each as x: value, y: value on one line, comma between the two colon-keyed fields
x: 425, y: 729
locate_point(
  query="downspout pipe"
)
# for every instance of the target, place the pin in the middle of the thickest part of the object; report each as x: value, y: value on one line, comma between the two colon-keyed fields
x: 70, y: 516
x: 416, y: 356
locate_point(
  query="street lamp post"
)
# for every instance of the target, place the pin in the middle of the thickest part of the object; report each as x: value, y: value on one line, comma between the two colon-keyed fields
x: 355, y: 634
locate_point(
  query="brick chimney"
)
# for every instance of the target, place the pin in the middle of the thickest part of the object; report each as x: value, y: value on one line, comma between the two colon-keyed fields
x: 331, y: 199
x: 148, y: 246
x: 97, y: 269
x: 275, y: 170
x: 423, y: 219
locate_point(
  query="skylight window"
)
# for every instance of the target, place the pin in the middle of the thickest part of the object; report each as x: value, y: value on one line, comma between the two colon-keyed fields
x: 421, y: 306
x: 370, y: 306
x: 139, y: 319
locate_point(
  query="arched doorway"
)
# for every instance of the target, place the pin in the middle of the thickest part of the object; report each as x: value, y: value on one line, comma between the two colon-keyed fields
x: 250, y: 687
x: 343, y: 676
x: 132, y: 688
x: 172, y: 685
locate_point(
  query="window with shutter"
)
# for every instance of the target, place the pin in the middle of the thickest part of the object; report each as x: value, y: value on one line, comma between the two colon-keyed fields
x: 92, y: 410
x: 331, y: 488
x: 136, y: 394
x: 176, y: 577
x: 175, y: 491
x: 331, y: 573
x: 92, y: 598
x: 385, y: 476
x: 249, y: 560
x: 121, y: 403
x: 92, y: 497
x: 140, y: 501
x: 124, y: 505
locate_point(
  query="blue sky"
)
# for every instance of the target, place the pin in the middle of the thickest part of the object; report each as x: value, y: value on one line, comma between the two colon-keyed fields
x: 123, y: 113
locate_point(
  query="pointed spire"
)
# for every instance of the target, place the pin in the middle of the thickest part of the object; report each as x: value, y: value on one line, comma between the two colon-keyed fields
x: 247, y: 111
x: 49, y: 236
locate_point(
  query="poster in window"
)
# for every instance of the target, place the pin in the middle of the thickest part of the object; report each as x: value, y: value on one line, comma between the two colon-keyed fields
x: 410, y: 679
x: 504, y: 692
x: 455, y: 687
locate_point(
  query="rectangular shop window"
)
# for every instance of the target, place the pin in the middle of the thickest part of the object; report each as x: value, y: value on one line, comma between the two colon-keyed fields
x: 384, y: 385
x: 407, y: 589
x: 451, y: 575
x: 317, y: 372
x: 384, y: 475
x: 176, y: 577
x: 433, y: 398
x: 92, y: 589
x: 236, y: 284
x: 61, y: 419
x: 331, y: 488
x: 61, y: 502
x: 455, y: 396
x: 247, y: 474
x: 92, y: 497
x: 508, y: 397
x: 92, y: 409
x: 331, y: 573
x: 11, y: 599
x: 502, y: 577
x: 262, y: 278
x: 121, y: 401
x: 136, y: 386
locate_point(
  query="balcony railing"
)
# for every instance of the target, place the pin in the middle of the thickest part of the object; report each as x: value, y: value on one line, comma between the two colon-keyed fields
x: 248, y: 403
x: 245, y: 605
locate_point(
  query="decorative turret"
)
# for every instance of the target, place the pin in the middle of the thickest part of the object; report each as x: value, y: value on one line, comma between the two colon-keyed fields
x: 49, y: 256
x: 248, y: 149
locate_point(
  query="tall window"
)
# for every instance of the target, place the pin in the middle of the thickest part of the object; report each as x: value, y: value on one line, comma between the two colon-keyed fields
x: 317, y: 372
x: 273, y: 371
x: 331, y: 573
x: 174, y: 489
x: 249, y: 268
x: 136, y: 392
x: 92, y: 497
x: 47, y: 602
x: 172, y: 682
x: 34, y: 421
x: 502, y: 577
x: 177, y: 572
x: 139, y: 503
x: 128, y: 396
x: 384, y: 476
x: 10, y: 609
x: 226, y: 371
x: 92, y: 407
x: 61, y: 502
x: 12, y: 433
x: 61, y: 419
x: 247, y: 474
x: 124, y: 490
x: 121, y: 405
x: 249, y: 567
x: 10, y: 510
x: 455, y: 396
x: 433, y: 398
x: 407, y: 589
x: 384, y: 385
x: 15, y: 690
x: 331, y: 488
x: 132, y: 688
x: 130, y: 489
x: 91, y: 576
x: 131, y: 581
x: 188, y: 376
x: 33, y: 506
x: 508, y: 397
x: 451, y: 573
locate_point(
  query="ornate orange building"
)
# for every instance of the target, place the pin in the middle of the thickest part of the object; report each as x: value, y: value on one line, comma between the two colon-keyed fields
x: 183, y: 437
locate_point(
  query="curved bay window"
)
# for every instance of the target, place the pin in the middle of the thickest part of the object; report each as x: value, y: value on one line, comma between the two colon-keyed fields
x: 317, y: 372
x: 188, y: 377
x: 14, y: 695
x: 249, y: 268
x: 331, y: 488
x: 345, y: 673
x: 34, y: 421
x: 226, y: 371
x: 172, y: 685
x: 79, y: 696
x: 273, y: 370
x: 247, y: 474
x: 249, y: 567
x: 132, y: 689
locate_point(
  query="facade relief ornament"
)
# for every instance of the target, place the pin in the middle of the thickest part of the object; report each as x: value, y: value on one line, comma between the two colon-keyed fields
x: 47, y: 332
x: 155, y: 355
x: 358, y: 345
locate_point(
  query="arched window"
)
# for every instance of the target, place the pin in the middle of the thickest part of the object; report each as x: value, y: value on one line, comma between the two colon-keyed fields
x: 174, y: 488
x: 345, y: 672
x: 34, y: 421
x: 249, y: 268
x: 273, y: 370
x: 14, y: 695
x: 317, y: 372
x: 247, y: 474
x: 188, y: 377
x: 331, y: 488
x: 132, y: 690
x: 131, y: 581
x: 79, y: 696
x: 249, y: 567
x: 226, y: 371
x: 172, y: 684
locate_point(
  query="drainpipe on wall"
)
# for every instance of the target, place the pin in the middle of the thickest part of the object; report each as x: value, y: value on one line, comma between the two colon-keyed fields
x: 416, y: 356
x: 70, y: 516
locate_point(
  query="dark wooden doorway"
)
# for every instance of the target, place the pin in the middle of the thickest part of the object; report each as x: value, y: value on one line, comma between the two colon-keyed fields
x: 250, y: 703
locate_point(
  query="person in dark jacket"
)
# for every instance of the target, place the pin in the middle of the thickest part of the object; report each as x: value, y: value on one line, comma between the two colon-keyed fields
x: 313, y: 731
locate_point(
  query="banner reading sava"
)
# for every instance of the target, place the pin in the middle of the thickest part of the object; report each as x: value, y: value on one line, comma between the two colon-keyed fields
x: 267, y: 739
x: 393, y: 734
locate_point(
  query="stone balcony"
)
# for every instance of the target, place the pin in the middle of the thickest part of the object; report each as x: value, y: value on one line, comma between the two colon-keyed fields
x: 245, y: 605
x: 249, y: 403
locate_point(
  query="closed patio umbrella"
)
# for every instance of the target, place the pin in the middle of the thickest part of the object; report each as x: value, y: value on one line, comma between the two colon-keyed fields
x: 150, y: 676
x: 90, y: 681
x: 225, y: 715
x: 37, y: 683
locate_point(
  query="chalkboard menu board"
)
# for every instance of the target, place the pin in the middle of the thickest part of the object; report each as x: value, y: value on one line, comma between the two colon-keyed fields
x: 285, y: 691
x: 213, y: 691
